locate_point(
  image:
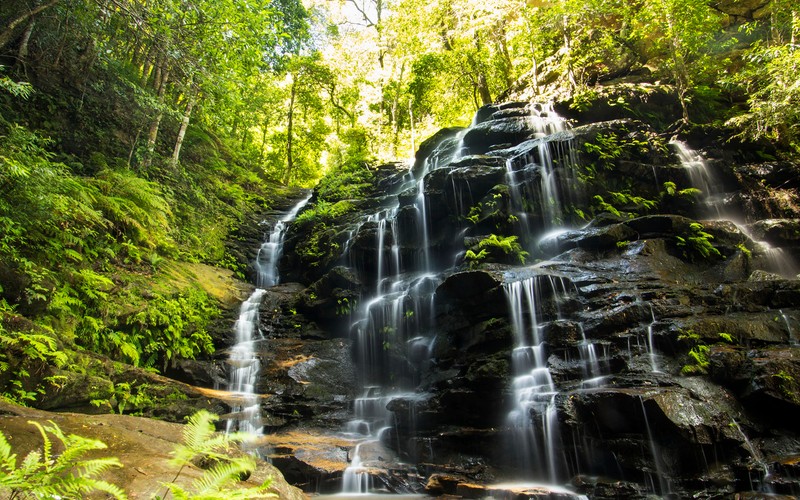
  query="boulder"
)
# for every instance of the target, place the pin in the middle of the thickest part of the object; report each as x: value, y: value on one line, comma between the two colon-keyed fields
x: 143, y: 446
x: 507, y: 130
x: 766, y: 380
x: 441, y: 140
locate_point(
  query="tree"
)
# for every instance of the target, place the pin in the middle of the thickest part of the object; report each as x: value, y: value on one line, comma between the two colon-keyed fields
x: 679, y: 35
x: 769, y: 77
x: 11, y: 29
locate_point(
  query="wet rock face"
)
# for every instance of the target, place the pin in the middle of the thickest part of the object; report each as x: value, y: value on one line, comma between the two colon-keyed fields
x: 650, y: 350
x: 305, y: 371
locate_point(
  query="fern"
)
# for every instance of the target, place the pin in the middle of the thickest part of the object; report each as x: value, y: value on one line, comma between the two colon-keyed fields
x: 135, y: 206
x: 201, y: 442
x: 215, y: 483
x: 508, y: 244
x: 697, y: 243
x: 17, y: 350
x: 43, y: 474
x: 603, y: 206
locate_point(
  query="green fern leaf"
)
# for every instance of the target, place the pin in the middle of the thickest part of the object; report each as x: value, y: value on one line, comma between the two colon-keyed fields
x: 223, y: 473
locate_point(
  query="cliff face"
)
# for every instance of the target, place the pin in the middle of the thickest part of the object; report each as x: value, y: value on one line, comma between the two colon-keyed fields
x: 551, y: 295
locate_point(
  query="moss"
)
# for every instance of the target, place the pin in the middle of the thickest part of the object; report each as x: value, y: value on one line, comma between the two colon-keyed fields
x: 698, y: 360
x: 354, y: 180
x: 788, y: 386
x: 324, y: 211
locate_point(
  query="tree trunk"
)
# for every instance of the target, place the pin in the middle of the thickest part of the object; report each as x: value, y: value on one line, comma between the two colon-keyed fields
x: 483, y: 89
x: 8, y: 34
x: 263, y: 142
x: 680, y: 73
x: 413, y: 131
x: 290, y: 119
x: 158, y: 76
x: 133, y: 147
x: 187, y: 114
x: 568, y: 54
x: 159, y: 85
x: 22, y: 53
x: 508, y: 64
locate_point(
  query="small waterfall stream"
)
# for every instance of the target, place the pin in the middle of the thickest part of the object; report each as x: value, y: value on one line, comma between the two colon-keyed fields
x: 243, y: 361
x: 533, y: 418
x: 704, y: 179
x: 244, y: 367
x: 540, y: 176
x: 389, y: 326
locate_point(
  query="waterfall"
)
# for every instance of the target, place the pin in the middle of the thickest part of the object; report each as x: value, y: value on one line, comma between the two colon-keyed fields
x: 651, y: 348
x: 269, y: 253
x: 756, y: 456
x: 704, y: 179
x: 789, y: 329
x: 663, y: 481
x: 243, y: 360
x: 590, y: 361
x: 244, y: 366
x: 534, y: 418
x: 393, y: 328
x: 540, y: 175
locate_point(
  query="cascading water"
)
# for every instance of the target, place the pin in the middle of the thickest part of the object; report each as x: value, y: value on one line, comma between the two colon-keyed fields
x: 243, y: 360
x: 391, y: 325
x: 663, y: 481
x: 764, y: 481
x: 533, y: 419
x: 590, y: 361
x: 269, y: 253
x: 789, y: 329
x: 541, y: 173
x: 703, y: 178
x: 439, y: 350
x: 244, y: 367
x: 393, y: 331
x: 399, y: 318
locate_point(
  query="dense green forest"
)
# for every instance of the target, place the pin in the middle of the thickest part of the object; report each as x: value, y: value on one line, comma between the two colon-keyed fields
x: 138, y: 135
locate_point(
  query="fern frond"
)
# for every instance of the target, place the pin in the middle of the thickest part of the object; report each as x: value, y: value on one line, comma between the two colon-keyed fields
x: 224, y: 473
x: 8, y: 460
x: 31, y: 462
x: 47, y: 446
x: 81, y: 485
x: 91, y: 468
x: 199, y: 439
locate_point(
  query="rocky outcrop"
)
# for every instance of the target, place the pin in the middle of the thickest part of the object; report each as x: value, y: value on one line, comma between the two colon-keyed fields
x: 554, y: 304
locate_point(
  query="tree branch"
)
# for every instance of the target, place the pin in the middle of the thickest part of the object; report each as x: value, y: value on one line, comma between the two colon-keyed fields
x: 8, y: 35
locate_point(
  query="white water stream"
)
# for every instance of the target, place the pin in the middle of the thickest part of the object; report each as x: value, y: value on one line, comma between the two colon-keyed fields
x: 534, y: 418
x: 704, y: 179
x: 243, y: 360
